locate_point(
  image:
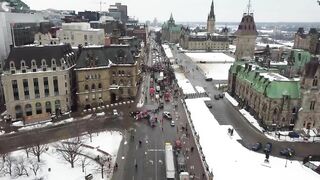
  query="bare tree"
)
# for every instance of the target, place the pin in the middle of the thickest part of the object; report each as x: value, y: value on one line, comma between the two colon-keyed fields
x: 70, y: 150
x: 20, y: 167
x: 27, y: 150
x: 9, y: 163
x: 102, y: 164
x: 38, y: 150
x: 34, y: 166
x: 84, y: 161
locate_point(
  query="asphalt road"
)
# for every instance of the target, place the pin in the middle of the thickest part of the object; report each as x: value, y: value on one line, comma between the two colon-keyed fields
x: 226, y: 114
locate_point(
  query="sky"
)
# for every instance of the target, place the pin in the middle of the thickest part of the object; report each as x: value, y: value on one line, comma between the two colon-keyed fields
x: 197, y: 10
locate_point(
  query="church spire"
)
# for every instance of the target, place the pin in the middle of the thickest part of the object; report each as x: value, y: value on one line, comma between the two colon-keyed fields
x: 171, y: 17
x: 211, y: 15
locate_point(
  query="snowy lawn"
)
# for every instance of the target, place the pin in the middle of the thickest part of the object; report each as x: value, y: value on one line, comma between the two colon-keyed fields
x: 210, y: 57
x: 53, y: 166
x: 183, y: 82
x: 216, y: 71
x: 230, y: 160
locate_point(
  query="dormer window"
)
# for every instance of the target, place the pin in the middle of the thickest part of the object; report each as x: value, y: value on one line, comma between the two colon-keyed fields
x: 34, y: 66
x: 12, y: 66
x: 44, y: 65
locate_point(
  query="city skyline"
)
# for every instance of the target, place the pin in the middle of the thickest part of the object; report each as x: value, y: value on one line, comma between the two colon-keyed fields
x: 271, y: 11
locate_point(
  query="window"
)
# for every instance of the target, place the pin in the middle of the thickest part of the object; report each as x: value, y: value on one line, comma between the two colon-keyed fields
x: 26, y: 89
x: 23, y: 64
x: 93, y: 97
x: 19, y: 113
x: 48, y: 107
x: 36, y: 87
x: 12, y: 66
x: 15, y: 89
x: 28, y: 109
x: 34, y: 66
x: 93, y: 87
x: 113, y: 73
x: 55, y: 86
x: 87, y: 98
x: 100, y: 96
x: 315, y: 81
x: 46, y: 86
x: 38, y: 108
x: 86, y: 87
x: 312, y: 105
x: 100, y: 86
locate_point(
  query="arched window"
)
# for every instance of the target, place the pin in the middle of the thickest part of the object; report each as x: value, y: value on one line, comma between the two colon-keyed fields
x: 38, y: 108
x: 19, y: 113
x: 12, y: 66
x: 275, y: 111
x: 33, y: 63
x: 23, y: 64
x: 93, y: 87
x: 48, y: 107
x: 119, y: 72
x: 53, y: 62
x: 28, y: 109
x: 113, y: 73
x: 114, y: 82
x: 57, y: 104
x: 86, y: 87
x: 121, y: 82
x: 43, y: 62
x: 100, y: 86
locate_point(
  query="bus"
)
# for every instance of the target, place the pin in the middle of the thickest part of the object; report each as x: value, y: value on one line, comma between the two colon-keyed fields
x: 170, y: 170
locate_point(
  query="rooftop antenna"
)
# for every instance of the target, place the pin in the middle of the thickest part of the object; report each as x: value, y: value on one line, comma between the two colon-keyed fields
x: 249, y: 7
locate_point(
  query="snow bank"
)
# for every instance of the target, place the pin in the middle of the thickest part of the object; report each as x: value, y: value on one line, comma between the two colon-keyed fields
x: 231, y: 99
x: 230, y: 160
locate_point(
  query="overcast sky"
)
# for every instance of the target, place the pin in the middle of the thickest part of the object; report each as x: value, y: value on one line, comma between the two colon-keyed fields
x: 197, y: 10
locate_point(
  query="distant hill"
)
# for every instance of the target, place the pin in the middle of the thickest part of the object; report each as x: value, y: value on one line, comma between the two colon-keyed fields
x: 17, y: 5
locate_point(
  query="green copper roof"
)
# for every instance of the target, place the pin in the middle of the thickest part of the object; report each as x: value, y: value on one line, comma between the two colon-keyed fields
x: 267, y: 82
x: 300, y: 58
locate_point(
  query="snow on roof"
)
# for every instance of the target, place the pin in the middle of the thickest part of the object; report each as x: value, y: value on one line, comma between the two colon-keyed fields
x: 210, y: 57
x: 283, y: 63
x: 275, y: 77
x: 228, y: 159
x: 270, y: 45
x: 167, y: 50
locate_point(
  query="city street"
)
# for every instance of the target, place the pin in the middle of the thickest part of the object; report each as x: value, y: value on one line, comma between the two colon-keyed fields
x: 226, y: 114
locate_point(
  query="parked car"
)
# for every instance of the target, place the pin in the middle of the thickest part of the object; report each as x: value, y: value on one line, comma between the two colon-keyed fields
x: 256, y: 147
x: 115, y: 112
x: 172, y: 123
x: 267, y: 148
x: 209, y: 105
x: 167, y: 115
x: 221, y: 95
x: 287, y: 152
x: 293, y: 134
x: 216, y: 97
x: 208, y: 79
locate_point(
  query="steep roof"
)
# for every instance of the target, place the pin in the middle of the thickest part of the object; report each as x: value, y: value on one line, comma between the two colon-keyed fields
x: 103, y: 56
x: 247, y: 26
x: 38, y: 53
x: 271, y: 84
x: 211, y: 14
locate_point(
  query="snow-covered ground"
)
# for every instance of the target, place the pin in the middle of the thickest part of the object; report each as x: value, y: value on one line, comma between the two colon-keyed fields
x: 231, y: 99
x: 215, y: 71
x: 228, y: 159
x: 213, y: 65
x: 210, y: 57
x: 108, y: 142
x: 183, y: 82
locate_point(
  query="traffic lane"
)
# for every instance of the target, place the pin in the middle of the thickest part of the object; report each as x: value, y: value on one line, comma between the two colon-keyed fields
x: 250, y: 137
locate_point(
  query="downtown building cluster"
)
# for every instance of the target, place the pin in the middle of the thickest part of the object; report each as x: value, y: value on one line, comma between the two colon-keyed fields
x: 79, y: 64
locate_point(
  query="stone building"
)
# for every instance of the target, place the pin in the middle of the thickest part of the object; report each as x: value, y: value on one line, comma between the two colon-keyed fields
x: 171, y: 32
x: 208, y: 41
x: 309, y: 114
x: 246, y: 37
x: 106, y: 75
x: 309, y: 42
x: 80, y: 33
x: 271, y: 97
x: 37, y: 82
x: 211, y: 21
x: 45, y: 39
